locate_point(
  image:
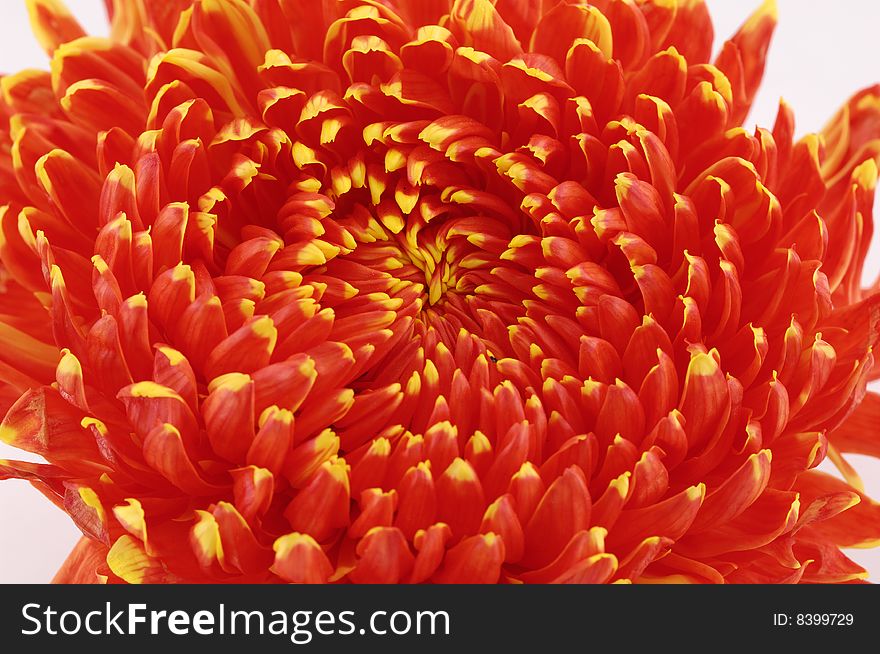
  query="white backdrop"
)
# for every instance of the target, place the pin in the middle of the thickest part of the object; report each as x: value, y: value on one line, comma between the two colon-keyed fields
x: 821, y: 54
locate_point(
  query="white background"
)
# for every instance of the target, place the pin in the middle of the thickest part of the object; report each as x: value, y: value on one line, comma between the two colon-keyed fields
x: 821, y: 54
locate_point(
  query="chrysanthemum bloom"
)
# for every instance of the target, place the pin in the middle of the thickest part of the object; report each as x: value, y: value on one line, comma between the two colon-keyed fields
x: 434, y: 291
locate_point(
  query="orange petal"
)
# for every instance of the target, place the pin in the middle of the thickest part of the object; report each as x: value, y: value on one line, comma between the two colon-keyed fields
x: 478, y: 24
x: 597, y: 569
x: 171, y: 369
x: 41, y: 422
x: 369, y: 470
x: 650, y: 480
x: 73, y: 188
x: 299, y: 560
x: 418, y: 500
x: 245, y: 350
x: 241, y: 547
x: 84, y: 564
x: 207, y: 544
x: 500, y: 518
x: 431, y: 545
x: 670, y: 519
x: 527, y: 489
x: 704, y: 400
x: 229, y: 415
x: 649, y: 550
x: 691, y: 30
x: 736, y: 494
x: 377, y: 510
x: 171, y: 293
x: 105, y: 356
x: 271, y: 444
x: 583, y: 545
x: 164, y: 451
x: 253, y: 489
x: 52, y: 24
x: 858, y: 526
x: 322, y: 507
x: 562, y: 512
x: 384, y: 557
x: 771, y: 515
x: 306, y: 458
x: 558, y: 28
x: 749, y: 46
x: 475, y: 560
x: 663, y: 76
x: 856, y: 433
x: 128, y: 561
x: 460, y: 498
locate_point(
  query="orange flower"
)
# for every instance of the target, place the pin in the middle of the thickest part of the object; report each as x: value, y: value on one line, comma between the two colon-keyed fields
x: 434, y: 291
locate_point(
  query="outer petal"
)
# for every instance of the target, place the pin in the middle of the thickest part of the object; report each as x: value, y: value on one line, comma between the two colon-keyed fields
x: 86, y: 564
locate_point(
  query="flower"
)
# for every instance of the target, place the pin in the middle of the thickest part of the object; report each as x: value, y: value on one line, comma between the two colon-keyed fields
x: 443, y: 291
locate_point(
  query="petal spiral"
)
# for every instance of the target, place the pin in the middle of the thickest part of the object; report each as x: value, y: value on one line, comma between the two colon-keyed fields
x: 406, y: 291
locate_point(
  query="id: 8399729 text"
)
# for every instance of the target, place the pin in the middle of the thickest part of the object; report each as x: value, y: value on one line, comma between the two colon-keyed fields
x: 813, y: 619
